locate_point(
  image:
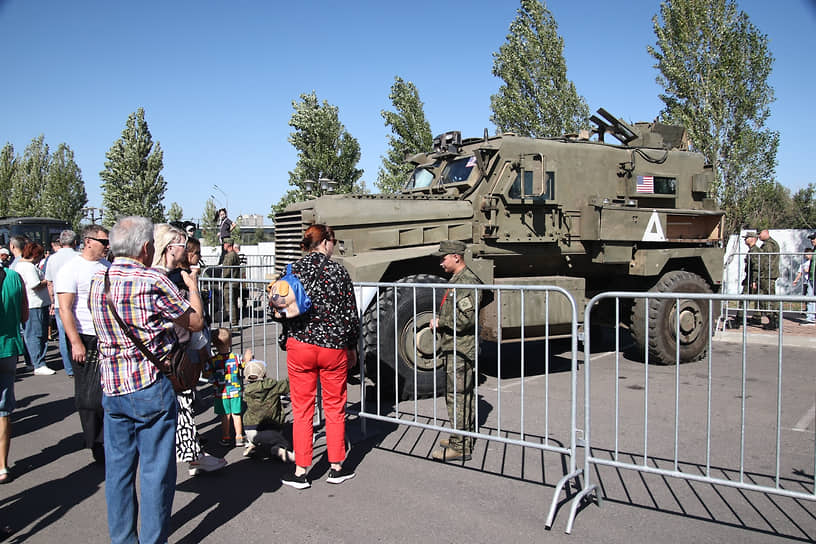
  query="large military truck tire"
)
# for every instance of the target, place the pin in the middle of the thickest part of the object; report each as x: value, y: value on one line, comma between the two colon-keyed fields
x: 694, y: 320
x: 406, y: 346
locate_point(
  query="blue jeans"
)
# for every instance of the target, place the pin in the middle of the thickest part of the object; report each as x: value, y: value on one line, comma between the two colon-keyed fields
x: 140, y: 429
x: 35, y: 335
x: 811, y: 306
x: 63, y: 345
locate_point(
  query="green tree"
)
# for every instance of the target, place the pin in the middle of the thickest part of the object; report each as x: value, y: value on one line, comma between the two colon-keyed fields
x: 714, y: 67
x: 175, y: 213
x: 410, y: 134
x: 8, y: 164
x: 536, y: 98
x: 132, y: 180
x: 803, y: 208
x: 28, y: 181
x: 64, y: 194
x: 325, y: 150
x: 259, y: 235
x: 209, y: 224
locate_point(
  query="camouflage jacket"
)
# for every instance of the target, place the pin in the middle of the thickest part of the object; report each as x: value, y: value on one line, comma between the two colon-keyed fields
x: 769, y: 260
x: 231, y: 259
x: 467, y: 307
x: 751, y: 266
x: 263, y: 403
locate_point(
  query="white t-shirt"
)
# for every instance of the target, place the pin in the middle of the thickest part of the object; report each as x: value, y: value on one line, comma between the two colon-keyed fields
x: 32, y: 276
x: 75, y: 277
x: 55, y: 262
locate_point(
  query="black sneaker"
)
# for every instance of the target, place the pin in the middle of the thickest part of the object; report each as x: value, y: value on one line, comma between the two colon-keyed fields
x: 339, y: 476
x: 298, y: 482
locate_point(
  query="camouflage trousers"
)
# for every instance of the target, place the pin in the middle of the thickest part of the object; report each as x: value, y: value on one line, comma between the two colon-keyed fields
x: 460, y: 399
x: 767, y: 286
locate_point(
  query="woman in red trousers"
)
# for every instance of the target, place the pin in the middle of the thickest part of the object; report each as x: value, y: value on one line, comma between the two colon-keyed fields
x: 319, y: 345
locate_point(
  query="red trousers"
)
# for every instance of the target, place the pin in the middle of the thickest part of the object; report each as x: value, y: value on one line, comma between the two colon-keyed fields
x: 306, y: 363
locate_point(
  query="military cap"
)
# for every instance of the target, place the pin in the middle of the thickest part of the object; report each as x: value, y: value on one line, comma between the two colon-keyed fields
x: 228, y: 241
x: 4, y: 251
x: 750, y: 234
x: 447, y: 247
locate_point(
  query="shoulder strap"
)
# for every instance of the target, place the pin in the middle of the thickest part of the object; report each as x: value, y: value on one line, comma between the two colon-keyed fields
x: 129, y: 333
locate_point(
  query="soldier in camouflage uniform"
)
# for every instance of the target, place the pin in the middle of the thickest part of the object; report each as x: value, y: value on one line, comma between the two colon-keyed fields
x: 750, y: 282
x: 768, y: 272
x: 231, y: 291
x: 459, y: 364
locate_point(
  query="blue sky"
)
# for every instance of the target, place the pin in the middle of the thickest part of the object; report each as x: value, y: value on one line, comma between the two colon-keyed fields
x: 217, y: 79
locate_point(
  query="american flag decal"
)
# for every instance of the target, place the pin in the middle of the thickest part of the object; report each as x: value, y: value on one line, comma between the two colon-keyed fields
x: 645, y: 184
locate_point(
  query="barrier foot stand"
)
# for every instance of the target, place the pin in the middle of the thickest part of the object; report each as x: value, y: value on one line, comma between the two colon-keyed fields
x: 557, y: 493
x: 576, y: 502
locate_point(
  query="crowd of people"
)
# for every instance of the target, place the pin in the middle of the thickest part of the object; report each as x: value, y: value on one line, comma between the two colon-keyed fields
x: 132, y: 292
x: 760, y: 274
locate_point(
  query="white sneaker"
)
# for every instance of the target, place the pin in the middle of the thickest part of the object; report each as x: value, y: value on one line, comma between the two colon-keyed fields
x: 249, y: 450
x: 207, y: 463
x: 44, y: 371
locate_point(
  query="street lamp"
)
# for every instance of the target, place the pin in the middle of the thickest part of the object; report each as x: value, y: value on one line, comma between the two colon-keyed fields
x: 226, y: 198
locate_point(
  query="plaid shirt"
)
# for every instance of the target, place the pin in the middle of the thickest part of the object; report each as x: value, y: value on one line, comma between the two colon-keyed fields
x: 147, y: 302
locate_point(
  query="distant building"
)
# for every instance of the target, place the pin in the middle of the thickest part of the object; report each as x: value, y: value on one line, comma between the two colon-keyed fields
x: 254, y: 230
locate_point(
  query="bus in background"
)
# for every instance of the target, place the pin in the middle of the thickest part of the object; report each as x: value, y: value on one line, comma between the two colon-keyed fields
x: 36, y: 229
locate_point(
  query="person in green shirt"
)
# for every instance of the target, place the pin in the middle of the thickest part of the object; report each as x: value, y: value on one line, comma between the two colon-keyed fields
x: 13, y: 313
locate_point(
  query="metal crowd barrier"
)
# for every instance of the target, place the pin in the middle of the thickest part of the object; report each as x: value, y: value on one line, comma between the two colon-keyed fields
x: 393, y: 413
x: 700, y: 466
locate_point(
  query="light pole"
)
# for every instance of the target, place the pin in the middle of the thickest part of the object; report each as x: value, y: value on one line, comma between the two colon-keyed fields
x: 91, y: 211
x: 226, y: 198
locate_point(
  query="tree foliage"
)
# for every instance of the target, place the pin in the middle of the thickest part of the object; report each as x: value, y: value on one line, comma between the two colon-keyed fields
x: 64, y: 194
x: 8, y: 164
x: 209, y: 224
x: 28, y: 181
x: 325, y: 150
x: 132, y: 180
x: 175, y: 213
x: 536, y: 98
x: 41, y: 183
x: 714, y: 67
x: 410, y: 134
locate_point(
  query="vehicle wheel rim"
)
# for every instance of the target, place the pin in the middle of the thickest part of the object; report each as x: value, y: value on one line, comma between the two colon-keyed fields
x: 421, y: 346
x: 691, y: 321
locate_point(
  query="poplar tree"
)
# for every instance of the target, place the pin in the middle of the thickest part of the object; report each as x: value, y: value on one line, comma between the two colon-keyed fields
x: 28, y: 180
x: 325, y: 150
x: 209, y: 224
x: 536, y: 98
x: 132, y: 180
x: 175, y: 213
x: 64, y: 194
x: 8, y: 163
x: 714, y: 67
x: 410, y: 134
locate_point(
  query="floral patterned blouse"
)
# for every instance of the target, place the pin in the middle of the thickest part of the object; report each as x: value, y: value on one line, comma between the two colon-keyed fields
x: 333, y: 321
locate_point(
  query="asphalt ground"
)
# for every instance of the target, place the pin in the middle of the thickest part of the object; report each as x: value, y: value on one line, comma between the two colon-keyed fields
x: 401, y: 495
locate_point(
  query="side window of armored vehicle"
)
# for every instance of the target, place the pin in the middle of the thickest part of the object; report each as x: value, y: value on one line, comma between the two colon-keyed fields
x: 665, y: 186
x: 544, y: 190
x: 458, y: 171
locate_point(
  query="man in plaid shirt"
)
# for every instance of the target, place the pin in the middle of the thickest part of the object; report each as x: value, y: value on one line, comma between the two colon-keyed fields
x: 139, y: 402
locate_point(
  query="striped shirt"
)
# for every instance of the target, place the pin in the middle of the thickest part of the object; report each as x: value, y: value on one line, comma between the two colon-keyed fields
x: 148, y: 303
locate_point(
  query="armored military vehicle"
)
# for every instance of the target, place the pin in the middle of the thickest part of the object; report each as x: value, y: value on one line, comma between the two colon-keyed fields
x: 574, y: 211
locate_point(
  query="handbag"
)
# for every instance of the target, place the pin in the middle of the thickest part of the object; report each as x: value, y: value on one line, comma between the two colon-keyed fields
x: 177, y: 366
x: 288, y: 297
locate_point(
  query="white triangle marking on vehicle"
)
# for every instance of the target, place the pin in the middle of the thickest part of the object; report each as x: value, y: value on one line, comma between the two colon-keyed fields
x: 654, y: 230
